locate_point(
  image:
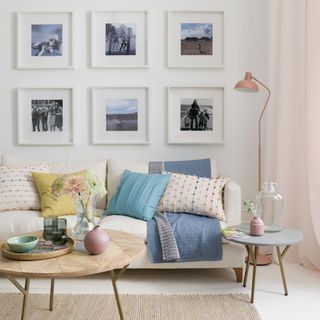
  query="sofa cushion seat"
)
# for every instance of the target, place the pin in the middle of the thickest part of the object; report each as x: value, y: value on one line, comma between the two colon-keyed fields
x: 127, y: 224
x: 131, y: 225
x: 13, y: 223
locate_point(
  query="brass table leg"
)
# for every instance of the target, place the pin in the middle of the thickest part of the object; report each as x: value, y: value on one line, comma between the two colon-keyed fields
x: 51, y: 294
x: 247, y: 268
x: 25, y: 291
x: 253, y: 255
x: 280, y: 256
x: 25, y: 298
x: 114, y: 279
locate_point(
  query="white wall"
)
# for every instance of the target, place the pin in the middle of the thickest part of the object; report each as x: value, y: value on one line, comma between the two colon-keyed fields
x: 245, y: 49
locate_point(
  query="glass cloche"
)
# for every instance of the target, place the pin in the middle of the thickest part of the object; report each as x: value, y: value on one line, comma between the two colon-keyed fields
x: 269, y: 206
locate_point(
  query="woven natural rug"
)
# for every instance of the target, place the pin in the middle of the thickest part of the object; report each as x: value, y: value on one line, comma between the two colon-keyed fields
x: 135, y: 307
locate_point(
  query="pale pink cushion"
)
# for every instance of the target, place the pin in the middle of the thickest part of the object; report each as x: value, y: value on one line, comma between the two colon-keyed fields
x: 195, y: 195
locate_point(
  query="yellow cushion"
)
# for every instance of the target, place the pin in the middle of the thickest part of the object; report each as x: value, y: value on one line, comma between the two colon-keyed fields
x: 50, y: 206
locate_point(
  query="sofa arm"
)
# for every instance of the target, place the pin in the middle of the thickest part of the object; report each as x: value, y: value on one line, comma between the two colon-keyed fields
x: 232, y: 203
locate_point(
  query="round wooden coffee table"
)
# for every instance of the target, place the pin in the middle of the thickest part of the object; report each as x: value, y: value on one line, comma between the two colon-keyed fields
x: 122, y: 249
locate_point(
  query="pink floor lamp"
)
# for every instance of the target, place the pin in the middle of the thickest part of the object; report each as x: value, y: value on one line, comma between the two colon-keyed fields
x: 248, y: 85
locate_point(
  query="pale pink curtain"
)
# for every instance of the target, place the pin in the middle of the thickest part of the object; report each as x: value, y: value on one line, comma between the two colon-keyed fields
x: 292, y: 154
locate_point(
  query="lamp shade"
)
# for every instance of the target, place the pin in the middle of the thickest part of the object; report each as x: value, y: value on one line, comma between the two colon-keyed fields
x: 247, y: 84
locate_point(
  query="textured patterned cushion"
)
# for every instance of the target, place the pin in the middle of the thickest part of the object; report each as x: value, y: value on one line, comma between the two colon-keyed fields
x: 191, y: 194
x: 17, y: 189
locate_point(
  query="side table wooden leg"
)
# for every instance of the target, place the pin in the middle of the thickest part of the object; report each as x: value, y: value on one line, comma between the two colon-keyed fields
x: 283, y: 276
x: 247, y: 268
x: 253, y: 254
x: 51, y: 294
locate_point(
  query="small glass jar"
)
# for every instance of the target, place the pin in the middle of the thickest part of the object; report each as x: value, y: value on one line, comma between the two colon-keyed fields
x: 59, y: 235
x: 48, y: 225
x: 269, y: 206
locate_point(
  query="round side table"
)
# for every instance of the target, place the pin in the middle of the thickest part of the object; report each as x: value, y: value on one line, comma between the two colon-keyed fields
x: 284, y: 238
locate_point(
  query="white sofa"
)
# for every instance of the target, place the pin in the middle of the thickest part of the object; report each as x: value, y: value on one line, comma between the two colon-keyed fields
x: 18, y: 222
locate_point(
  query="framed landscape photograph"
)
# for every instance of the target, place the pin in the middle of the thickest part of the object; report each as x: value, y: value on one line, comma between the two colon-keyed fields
x: 195, y: 39
x: 120, y: 115
x: 195, y: 115
x: 45, y: 116
x: 45, y: 40
x: 119, y: 39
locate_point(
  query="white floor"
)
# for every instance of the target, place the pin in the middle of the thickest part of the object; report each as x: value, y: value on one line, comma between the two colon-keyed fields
x: 303, y: 301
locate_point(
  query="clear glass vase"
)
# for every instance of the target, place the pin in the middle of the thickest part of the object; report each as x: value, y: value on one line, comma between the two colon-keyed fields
x: 269, y: 206
x: 85, y: 207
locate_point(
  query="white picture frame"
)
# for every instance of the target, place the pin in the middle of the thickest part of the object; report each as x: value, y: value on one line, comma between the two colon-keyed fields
x: 46, y: 116
x: 121, y: 115
x: 45, y: 40
x: 195, y: 39
x: 110, y: 49
x: 204, y: 123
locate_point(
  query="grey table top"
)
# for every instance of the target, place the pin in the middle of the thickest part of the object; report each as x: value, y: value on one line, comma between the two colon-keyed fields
x: 284, y: 237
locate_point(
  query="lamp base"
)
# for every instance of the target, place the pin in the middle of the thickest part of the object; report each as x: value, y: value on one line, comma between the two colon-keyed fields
x: 262, y: 260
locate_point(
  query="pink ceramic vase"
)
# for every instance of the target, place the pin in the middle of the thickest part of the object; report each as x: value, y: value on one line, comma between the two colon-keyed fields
x: 96, y: 241
x: 256, y: 227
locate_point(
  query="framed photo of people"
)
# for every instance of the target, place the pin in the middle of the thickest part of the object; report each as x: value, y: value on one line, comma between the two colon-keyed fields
x: 119, y: 39
x: 195, y: 115
x: 45, y: 40
x: 45, y: 116
x: 195, y: 39
x: 120, y: 115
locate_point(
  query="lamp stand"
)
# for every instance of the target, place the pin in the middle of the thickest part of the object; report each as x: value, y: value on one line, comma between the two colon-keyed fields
x: 262, y: 260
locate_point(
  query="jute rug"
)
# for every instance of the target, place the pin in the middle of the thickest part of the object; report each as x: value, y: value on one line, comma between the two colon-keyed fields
x: 135, y: 307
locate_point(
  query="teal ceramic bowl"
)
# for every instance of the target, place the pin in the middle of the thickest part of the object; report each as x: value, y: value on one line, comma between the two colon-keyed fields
x: 22, y: 244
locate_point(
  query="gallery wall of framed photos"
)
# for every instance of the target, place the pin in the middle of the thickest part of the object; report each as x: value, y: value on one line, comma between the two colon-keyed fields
x: 88, y: 79
x: 120, y: 39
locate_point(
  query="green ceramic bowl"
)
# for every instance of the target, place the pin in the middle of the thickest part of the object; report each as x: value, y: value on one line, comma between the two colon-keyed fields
x: 22, y: 244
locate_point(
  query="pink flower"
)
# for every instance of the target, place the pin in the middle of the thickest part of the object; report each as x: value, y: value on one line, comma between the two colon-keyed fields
x: 74, y: 185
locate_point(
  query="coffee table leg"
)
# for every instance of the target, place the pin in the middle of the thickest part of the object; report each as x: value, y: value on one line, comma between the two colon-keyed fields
x: 51, y: 294
x: 25, y: 298
x: 280, y: 256
x: 247, y: 268
x: 114, y: 279
x: 24, y: 290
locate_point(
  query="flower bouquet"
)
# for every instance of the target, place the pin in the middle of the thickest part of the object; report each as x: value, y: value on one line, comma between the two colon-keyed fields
x: 84, y: 188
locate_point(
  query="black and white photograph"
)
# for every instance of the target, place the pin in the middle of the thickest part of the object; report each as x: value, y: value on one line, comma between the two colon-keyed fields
x: 122, y: 115
x: 196, y: 38
x: 120, y: 39
x: 46, y: 40
x: 47, y: 115
x: 196, y: 114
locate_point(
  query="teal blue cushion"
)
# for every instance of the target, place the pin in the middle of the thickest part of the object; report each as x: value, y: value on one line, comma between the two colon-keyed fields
x: 138, y: 195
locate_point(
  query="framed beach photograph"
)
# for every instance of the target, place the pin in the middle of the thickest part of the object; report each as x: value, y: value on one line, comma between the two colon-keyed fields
x: 195, y: 39
x: 119, y: 39
x: 45, y: 116
x: 120, y: 115
x: 45, y: 40
x: 195, y: 115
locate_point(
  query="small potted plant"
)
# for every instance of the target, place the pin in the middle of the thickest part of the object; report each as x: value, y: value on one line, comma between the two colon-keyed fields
x: 256, y: 224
